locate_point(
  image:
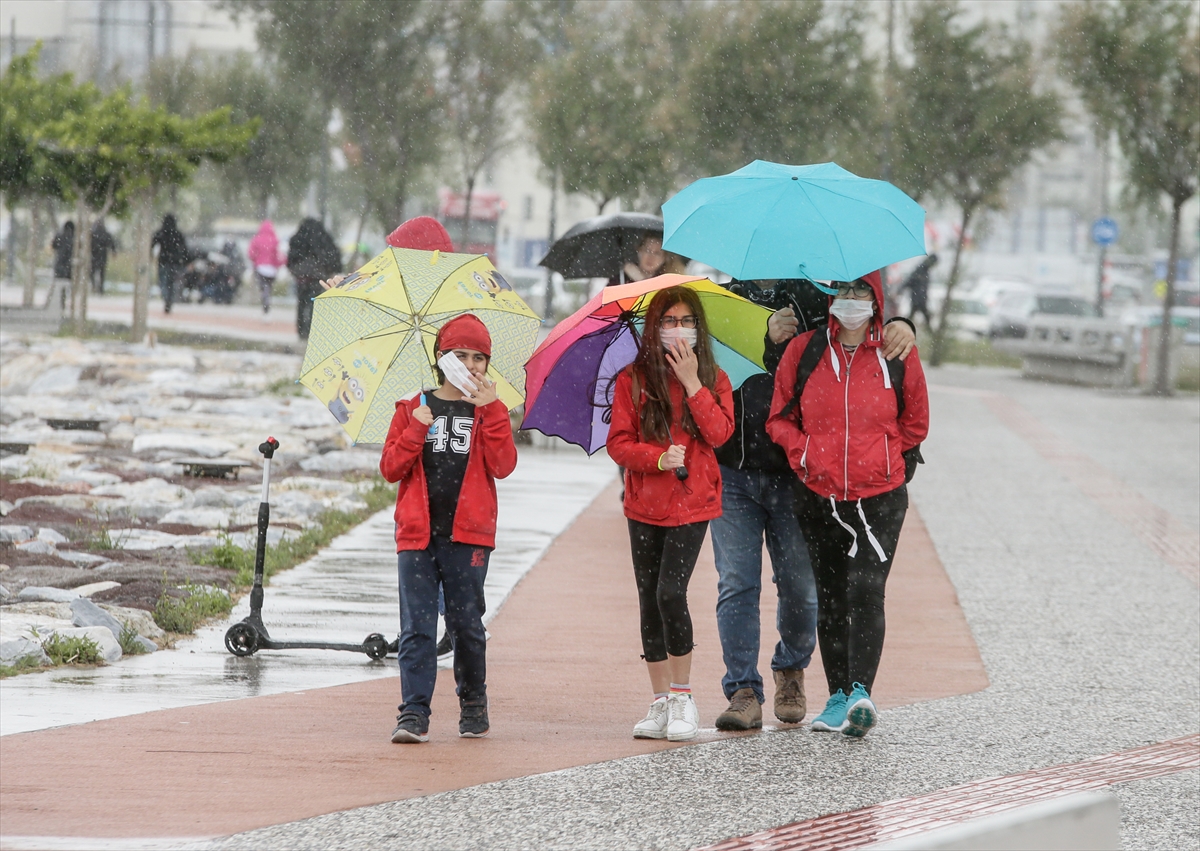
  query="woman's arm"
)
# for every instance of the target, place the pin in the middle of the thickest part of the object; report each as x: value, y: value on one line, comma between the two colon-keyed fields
x: 404, y: 444
x: 624, y: 447
x: 713, y: 413
x: 785, y: 429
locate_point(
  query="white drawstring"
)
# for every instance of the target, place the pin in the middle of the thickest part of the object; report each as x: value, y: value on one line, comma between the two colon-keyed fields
x: 853, y: 535
x: 870, y: 534
x: 887, y: 378
x: 833, y: 358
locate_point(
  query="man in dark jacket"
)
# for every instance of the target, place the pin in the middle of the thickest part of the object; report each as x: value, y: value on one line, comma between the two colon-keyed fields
x: 918, y: 289
x: 64, y: 250
x: 173, y: 258
x: 312, y: 257
x: 758, y: 503
x: 102, y: 243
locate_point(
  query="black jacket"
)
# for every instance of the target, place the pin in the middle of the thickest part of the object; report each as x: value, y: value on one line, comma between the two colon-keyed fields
x: 312, y: 253
x: 750, y: 448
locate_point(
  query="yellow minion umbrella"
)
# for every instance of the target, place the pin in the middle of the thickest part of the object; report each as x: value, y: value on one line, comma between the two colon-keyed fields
x: 372, y: 335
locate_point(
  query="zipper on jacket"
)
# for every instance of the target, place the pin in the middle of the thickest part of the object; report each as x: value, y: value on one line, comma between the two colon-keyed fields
x: 887, y: 458
x: 846, y: 441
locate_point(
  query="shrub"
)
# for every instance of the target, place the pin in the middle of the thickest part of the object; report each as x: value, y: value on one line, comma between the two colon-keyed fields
x: 71, y: 649
x: 128, y: 639
x: 20, y: 666
x: 182, y: 615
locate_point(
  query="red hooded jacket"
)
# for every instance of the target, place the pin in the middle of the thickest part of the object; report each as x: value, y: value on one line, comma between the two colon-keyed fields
x: 493, y: 455
x: 655, y: 496
x: 847, y: 440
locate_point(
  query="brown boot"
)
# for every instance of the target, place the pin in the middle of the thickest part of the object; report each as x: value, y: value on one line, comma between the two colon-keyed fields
x: 744, y: 712
x: 790, y: 705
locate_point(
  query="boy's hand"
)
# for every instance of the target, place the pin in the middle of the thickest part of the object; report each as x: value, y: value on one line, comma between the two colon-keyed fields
x: 782, y: 325
x: 672, y: 458
x: 333, y: 282
x: 687, y: 369
x: 898, y: 340
x: 485, y: 392
x: 423, y: 415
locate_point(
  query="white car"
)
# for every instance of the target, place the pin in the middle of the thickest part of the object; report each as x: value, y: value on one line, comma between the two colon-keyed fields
x: 968, y: 317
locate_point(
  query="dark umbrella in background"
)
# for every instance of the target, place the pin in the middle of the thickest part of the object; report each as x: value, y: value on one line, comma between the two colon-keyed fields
x: 599, y: 247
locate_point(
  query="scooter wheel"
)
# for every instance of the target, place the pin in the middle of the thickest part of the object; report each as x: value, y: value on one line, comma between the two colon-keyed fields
x: 241, y: 640
x: 375, y: 646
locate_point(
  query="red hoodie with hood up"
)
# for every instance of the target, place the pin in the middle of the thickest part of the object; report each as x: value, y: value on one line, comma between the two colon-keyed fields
x: 844, y: 439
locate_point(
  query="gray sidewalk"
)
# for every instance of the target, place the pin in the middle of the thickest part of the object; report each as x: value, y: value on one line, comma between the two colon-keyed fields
x: 1090, y: 636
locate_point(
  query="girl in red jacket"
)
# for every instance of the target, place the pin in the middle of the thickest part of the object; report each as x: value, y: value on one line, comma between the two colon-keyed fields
x: 671, y: 406
x: 845, y: 438
x: 446, y: 449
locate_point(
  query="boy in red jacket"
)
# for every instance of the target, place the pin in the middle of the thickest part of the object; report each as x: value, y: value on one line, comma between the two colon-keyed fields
x: 447, y: 449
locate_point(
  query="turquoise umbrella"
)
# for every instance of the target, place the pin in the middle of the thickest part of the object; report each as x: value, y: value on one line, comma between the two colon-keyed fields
x: 768, y: 220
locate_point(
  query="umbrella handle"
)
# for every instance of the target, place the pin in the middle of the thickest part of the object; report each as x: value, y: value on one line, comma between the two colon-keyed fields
x: 422, y: 405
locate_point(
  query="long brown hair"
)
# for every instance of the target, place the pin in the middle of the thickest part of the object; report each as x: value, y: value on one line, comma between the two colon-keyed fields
x: 652, y: 373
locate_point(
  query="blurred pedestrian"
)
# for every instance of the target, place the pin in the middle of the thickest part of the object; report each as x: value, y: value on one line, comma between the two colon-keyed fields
x: 102, y: 243
x: 671, y: 406
x: 312, y: 257
x: 264, y: 255
x: 759, y: 506
x: 650, y: 259
x: 64, y: 250
x: 173, y: 258
x: 917, y: 285
x: 849, y: 422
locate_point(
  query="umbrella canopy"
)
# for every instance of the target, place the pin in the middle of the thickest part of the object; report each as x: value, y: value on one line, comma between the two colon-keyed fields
x: 600, y: 246
x: 820, y: 222
x: 570, y: 377
x: 372, y: 338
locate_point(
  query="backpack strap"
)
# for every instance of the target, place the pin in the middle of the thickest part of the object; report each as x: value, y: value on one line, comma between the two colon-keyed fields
x: 895, y: 368
x: 809, y: 358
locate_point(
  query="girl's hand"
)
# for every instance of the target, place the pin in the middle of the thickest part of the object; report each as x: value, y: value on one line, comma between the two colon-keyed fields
x: 485, y: 392
x: 423, y: 415
x: 672, y: 458
x: 683, y: 360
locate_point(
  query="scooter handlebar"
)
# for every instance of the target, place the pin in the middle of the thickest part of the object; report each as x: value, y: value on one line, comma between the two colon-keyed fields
x: 268, y: 448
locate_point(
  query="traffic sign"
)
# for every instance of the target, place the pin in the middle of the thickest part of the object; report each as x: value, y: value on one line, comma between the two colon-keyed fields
x: 1105, y: 231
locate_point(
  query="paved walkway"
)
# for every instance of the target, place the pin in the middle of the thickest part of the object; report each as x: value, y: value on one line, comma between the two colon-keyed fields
x: 1078, y: 601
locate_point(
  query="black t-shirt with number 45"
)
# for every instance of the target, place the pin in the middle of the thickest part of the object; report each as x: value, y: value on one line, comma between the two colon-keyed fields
x: 445, y: 459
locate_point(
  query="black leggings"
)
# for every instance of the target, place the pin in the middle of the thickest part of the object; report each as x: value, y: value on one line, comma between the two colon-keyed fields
x: 663, y: 560
x: 850, y: 621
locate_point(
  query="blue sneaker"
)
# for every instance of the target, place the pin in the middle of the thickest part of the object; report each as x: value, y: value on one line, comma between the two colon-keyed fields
x: 861, y: 714
x: 833, y: 718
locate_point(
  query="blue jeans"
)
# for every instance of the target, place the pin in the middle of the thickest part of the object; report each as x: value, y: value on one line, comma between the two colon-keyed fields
x: 460, y: 569
x: 757, y: 505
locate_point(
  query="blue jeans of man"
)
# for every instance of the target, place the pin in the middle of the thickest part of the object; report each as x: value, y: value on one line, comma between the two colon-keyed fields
x: 757, y: 505
x: 460, y: 569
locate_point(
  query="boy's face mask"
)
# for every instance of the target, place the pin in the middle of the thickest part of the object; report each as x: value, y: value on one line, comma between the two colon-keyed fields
x: 670, y: 335
x: 853, y: 313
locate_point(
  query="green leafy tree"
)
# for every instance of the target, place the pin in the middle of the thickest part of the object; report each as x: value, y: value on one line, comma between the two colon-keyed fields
x: 787, y: 82
x: 969, y: 117
x: 1137, y: 66
x: 372, y: 61
x: 593, y: 123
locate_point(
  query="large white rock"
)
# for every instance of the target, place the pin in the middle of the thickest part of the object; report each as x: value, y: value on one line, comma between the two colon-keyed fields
x: 321, y: 488
x: 81, y: 559
x: 110, y: 648
x: 42, y: 593
x: 57, y: 380
x: 37, y: 547
x: 192, y: 444
x: 6, y: 507
x: 149, y: 498
x: 51, y: 536
x: 342, y: 461
x: 94, y: 588
x: 139, y: 619
x: 17, y: 649
x: 213, y: 496
x: 152, y: 539
x: 249, y: 540
x: 71, y: 502
x: 209, y: 518
x: 13, y: 534
x: 89, y: 477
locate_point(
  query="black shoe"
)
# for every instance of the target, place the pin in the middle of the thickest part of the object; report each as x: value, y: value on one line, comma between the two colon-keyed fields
x: 473, y: 719
x: 444, y: 647
x: 411, y: 727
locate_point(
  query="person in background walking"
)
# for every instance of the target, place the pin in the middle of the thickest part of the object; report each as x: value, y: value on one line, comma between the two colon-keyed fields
x: 759, y: 504
x: 671, y: 406
x: 650, y: 260
x: 172, y: 258
x: 102, y: 243
x: 917, y: 285
x: 265, y: 259
x: 312, y: 257
x: 846, y: 435
x: 64, y: 251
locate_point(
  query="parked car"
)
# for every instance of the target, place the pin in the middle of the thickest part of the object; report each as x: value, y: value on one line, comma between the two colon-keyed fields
x: 991, y: 290
x: 1012, y: 315
x: 969, y: 317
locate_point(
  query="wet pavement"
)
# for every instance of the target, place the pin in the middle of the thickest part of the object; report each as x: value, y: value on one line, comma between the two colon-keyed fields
x: 344, y: 593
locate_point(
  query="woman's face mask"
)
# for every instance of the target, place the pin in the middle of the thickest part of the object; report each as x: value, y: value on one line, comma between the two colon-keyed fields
x: 670, y: 335
x: 853, y: 313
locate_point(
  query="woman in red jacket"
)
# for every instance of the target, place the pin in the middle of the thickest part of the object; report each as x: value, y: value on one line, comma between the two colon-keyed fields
x: 671, y: 406
x: 446, y: 448
x: 845, y: 438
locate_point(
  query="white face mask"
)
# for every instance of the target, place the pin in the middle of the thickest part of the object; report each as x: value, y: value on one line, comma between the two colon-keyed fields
x: 853, y: 313
x: 670, y: 335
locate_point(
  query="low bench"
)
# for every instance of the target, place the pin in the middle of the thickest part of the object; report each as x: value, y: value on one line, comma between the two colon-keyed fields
x: 211, y: 468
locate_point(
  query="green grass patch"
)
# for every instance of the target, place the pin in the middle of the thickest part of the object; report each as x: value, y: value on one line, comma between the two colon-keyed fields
x: 1188, y: 378
x: 290, y: 552
x: 183, y: 614
x: 285, y: 387
x: 24, y: 665
x: 71, y: 650
x: 978, y: 353
x: 128, y: 639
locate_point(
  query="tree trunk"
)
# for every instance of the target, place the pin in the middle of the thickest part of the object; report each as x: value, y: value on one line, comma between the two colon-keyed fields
x: 83, y: 268
x: 141, y: 265
x: 35, y: 249
x: 939, y: 335
x: 466, y: 227
x: 1162, y: 377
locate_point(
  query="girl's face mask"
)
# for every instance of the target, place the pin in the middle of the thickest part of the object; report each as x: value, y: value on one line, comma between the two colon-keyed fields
x: 853, y: 313
x: 670, y: 335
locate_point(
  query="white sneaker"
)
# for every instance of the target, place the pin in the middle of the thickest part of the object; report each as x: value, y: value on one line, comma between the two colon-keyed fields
x: 654, y: 725
x: 683, y: 718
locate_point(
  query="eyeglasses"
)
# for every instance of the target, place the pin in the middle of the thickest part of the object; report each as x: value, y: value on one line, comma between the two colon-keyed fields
x: 673, y: 321
x: 857, y: 289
